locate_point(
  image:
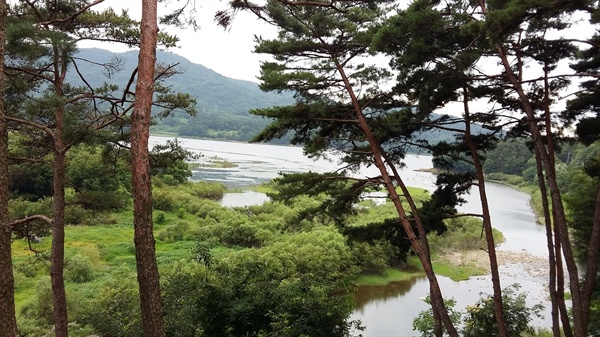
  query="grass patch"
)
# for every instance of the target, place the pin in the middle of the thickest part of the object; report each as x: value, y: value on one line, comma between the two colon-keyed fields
x: 388, y: 276
x: 410, y: 270
x: 454, y: 272
x: 263, y: 188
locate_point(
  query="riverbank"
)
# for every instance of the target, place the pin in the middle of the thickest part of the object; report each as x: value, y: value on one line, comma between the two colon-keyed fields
x: 535, y: 266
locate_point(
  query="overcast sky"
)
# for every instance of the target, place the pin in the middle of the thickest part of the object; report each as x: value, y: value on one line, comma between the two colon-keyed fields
x: 227, y: 52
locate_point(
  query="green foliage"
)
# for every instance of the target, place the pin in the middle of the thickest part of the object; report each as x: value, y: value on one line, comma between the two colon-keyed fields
x: 480, y: 318
x: 508, y: 157
x: 164, y: 200
x: 160, y: 218
x: 182, y: 289
x: 115, y: 311
x: 187, y: 197
x: 37, y: 313
x: 168, y: 160
x: 424, y: 322
x: 40, y: 307
x: 175, y: 232
x: 98, y: 182
x: 206, y: 190
x: 19, y: 208
x: 79, y: 269
x: 580, y: 183
x: 372, y: 258
x: 255, y: 291
x: 31, y: 182
x: 463, y: 234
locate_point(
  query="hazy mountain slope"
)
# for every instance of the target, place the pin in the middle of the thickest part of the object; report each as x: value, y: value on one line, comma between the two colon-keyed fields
x: 223, y: 103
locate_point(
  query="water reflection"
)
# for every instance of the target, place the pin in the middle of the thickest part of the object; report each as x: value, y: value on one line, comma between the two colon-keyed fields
x: 366, y: 295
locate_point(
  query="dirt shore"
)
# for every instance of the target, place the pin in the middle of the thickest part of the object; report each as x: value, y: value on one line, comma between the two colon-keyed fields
x: 536, y: 266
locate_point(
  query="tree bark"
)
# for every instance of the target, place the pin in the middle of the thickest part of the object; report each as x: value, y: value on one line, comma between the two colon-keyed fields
x: 421, y: 250
x: 147, y: 269
x: 579, y: 299
x: 487, y: 222
x: 57, y: 253
x: 438, y: 327
x: 556, y: 275
x: 8, y: 325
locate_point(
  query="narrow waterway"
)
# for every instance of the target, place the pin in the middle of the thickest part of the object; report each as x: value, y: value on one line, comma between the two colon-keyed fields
x: 388, y: 310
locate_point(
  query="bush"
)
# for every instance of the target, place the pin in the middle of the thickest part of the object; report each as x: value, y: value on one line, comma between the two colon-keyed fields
x: 372, y: 258
x: 160, y: 218
x: 116, y: 310
x: 163, y: 201
x: 480, y: 319
x: 462, y: 234
x: 79, y: 269
x: 27, y: 268
x: 174, y: 232
x: 39, y: 308
x: 207, y: 190
x: 77, y: 215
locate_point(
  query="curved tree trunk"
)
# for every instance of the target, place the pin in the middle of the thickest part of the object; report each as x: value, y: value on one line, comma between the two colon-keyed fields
x: 8, y: 325
x: 421, y: 250
x: 487, y: 222
x: 579, y: 299
x: 147, y: 269
x: 556, y: 275
x: 438, y: 328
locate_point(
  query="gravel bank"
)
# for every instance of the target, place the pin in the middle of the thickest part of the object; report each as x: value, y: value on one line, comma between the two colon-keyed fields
x: 535, y: 266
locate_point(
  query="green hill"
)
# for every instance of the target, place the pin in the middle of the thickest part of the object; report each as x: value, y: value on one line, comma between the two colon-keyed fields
x: 222, y: 103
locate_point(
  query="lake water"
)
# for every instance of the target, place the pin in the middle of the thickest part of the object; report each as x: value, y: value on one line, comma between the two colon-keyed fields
x: 389, y: 310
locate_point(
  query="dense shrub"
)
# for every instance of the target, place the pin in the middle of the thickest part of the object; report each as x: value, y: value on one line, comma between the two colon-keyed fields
x: 115, y: 311
x: 175, y: 232
x: 254, y: 292
x: 77, y: 215
x: 480, y: 319
x: 372, y: 258
x: 206, y: 190
x: 39, y: 307
x: 163, y: 200
x: 462, y: 234
x: 79, y: 269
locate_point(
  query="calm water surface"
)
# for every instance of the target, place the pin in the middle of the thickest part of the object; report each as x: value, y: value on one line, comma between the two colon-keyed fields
x: 387, y: 310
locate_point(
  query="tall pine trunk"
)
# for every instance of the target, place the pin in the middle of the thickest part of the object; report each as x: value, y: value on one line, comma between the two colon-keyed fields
x: 57, y: 254
x: 8, y: 325
x: 147, y: 269
x: 580, y: 296
x: 438, y: 326
x: 421, y: 249
x: 487, y: 222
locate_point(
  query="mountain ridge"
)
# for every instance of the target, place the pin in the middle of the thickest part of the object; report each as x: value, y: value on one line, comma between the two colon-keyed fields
x: 222, y: 103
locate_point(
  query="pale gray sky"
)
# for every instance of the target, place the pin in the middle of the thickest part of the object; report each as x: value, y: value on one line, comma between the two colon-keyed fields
x: 227, y: 52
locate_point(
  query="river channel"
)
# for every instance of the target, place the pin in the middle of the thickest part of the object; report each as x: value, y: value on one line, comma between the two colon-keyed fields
x: 388, y: 310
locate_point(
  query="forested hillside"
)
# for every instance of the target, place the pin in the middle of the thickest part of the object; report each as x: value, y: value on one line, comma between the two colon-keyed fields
x: 222, y: 103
